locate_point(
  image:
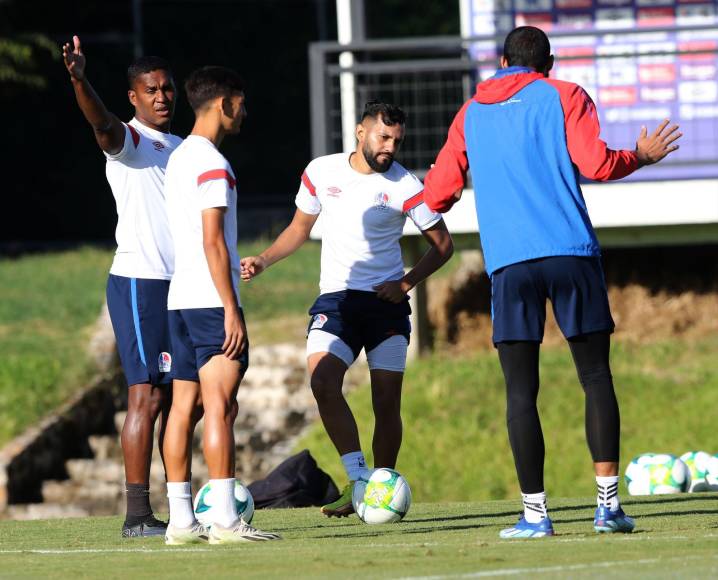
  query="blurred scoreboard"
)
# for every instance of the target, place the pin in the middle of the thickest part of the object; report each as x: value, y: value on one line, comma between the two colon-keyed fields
x: 635, y: 75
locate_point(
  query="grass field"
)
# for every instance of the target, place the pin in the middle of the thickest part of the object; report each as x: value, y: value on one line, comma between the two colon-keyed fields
x: 676, y: 537
x: 48, y: 305
x: 455, y: 443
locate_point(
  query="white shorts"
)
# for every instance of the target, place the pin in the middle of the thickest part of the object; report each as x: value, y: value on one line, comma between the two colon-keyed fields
x: 389, y: 355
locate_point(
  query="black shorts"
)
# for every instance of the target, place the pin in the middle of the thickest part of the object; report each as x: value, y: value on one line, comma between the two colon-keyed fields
x: 575, y: 285
x: 360, y: 318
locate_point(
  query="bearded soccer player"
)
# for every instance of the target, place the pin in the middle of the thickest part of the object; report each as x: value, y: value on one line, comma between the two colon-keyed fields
x: 137, y: 153
x: 209, y: 336
x: 365, y: 197
x: 526, y: 138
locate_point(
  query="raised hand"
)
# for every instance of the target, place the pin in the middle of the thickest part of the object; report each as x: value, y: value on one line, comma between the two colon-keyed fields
x: 74, y: 58
x: 251, y: 267
x: 651, y: 149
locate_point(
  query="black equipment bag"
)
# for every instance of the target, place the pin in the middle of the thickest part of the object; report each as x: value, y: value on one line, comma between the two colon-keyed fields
x: 296, y: 482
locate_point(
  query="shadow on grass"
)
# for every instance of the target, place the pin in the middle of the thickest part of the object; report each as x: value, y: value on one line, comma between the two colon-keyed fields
x: 383, y: 531
x: 642, y: 516
x: 672, y: 498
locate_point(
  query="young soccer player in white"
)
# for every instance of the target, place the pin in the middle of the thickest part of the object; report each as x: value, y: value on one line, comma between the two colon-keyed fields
x: 209, y: 336
x: 365, y: 197
x: 137, y: 154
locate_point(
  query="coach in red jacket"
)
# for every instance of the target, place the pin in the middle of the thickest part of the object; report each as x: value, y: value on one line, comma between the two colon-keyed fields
x: 526, y: 138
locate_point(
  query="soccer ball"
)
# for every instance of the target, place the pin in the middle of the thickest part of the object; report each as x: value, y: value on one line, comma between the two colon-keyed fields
x: 712, y: 474
x: 697, y: 462
x: 204, y: 501
x: 657, y: 473
x: 383, y: 498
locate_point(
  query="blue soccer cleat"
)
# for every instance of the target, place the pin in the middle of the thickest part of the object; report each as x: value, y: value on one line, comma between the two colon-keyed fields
x: 524, y: 529
x: 607, y: 521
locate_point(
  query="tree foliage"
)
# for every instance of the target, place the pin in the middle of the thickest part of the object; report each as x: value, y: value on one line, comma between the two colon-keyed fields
x: 19, y: 60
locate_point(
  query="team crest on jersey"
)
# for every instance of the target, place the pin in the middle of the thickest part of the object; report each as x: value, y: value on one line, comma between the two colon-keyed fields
x: 381, y: 200
x: 165, y: 362
x: 319, y: 321
x: 334, y: 191
x: 158, y: 145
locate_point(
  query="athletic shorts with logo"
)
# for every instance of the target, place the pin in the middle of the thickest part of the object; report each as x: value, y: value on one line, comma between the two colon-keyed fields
x: 574, y: 284
x: 359, y: 318
x: 138, y: 310
x: 198, y: 335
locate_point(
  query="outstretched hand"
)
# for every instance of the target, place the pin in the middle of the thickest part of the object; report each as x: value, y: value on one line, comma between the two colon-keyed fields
x: 251, y: 267
x: 652, y: 148
x: 74, y: 58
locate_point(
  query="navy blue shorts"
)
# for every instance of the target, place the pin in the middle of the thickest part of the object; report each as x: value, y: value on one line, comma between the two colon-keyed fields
x: 359, y: 318
x: 138, y: 310
x: 197, y: 336
x: 575, y: 285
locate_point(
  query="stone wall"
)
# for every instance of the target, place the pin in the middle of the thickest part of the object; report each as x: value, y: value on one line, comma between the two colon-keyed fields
x: 71, y: 464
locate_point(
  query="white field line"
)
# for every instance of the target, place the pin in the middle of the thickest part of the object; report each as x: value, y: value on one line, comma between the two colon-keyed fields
x: 61, y: 551
x: 566, y: 568
x: 160, y: 550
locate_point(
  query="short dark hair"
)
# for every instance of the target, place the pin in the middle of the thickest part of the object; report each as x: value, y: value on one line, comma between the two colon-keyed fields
x: 146, y: 64
x: 210, y: 82
x: 527, y: 46
x: 390, y: 114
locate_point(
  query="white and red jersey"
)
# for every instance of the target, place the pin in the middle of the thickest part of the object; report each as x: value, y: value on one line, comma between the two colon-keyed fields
x: 136, y: 176
x: 198, y: 177
x: 363, y: 218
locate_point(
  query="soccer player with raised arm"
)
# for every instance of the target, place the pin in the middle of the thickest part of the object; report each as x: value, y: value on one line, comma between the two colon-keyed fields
x: 137, y: 154
x: 526, y: 138
x: 209, y: 336
x: 365, y: 197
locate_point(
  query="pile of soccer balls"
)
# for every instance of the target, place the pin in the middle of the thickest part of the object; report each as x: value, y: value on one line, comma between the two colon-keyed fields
x: 381, y: 498
x: 658, y: 473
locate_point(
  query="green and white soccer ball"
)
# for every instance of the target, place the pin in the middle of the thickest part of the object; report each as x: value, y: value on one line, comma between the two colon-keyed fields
x: 204, y: 500
x: 383, y: 498
x: 697, y: 463
x: 657, y: 473
x: 712, y: 474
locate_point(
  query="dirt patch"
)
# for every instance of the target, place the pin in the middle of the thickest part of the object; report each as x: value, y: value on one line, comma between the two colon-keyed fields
x: 655, y: 293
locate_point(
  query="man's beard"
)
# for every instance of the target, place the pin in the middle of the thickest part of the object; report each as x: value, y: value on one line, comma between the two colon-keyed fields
x: 374, y: 163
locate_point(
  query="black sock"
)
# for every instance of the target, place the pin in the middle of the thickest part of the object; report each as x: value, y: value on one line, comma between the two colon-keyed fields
x: 138, y: 503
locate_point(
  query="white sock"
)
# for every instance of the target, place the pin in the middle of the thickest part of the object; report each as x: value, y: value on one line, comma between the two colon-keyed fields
x: 224, y: 510
x: 179, y: 494
x: 354, y: 465
x: 607, y: 492
x: 534, y: 507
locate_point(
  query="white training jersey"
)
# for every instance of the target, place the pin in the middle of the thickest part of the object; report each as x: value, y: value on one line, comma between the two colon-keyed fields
x: 363, y: 219
x: 136, y: 176
x: 198, y: 177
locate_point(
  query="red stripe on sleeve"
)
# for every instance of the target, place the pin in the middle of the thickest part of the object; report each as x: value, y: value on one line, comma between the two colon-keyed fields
x: 449, y: 172
x: 217, y: 174
x: 135, y: 135
x: 583, y: 137
x: 413, y: 201
x: 308, y: 184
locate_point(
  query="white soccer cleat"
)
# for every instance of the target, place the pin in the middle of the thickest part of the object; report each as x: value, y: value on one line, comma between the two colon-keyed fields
x: 237, y: 533
x: 194, y: 534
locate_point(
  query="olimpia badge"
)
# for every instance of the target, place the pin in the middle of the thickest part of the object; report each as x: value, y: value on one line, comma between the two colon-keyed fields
x: 165, y: 362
